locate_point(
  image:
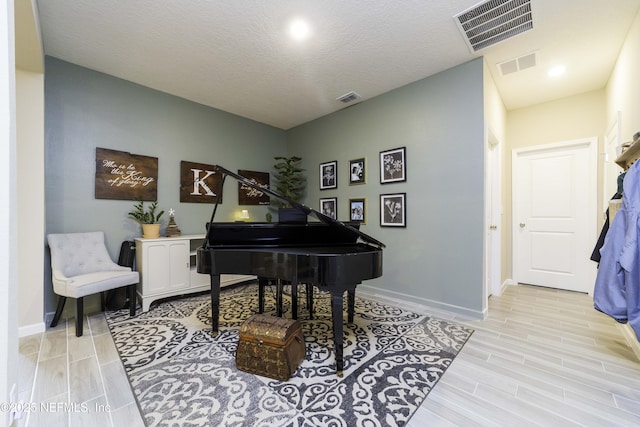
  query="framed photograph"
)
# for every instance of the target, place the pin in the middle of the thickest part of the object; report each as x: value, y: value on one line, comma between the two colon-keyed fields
x: 393, y: 210
x: 356, y: 210
x: 356, y: 171
x: 329, y: 175
x: 393, y: 166
x: 329, y: 207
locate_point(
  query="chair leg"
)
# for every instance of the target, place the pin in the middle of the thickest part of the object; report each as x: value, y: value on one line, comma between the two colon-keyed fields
x: 79, y: 315
x: 132, y: 299
x: 56, y: 317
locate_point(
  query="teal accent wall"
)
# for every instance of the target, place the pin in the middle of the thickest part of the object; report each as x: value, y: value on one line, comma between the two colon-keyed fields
x: 437, y: 258
x: 85, y: 109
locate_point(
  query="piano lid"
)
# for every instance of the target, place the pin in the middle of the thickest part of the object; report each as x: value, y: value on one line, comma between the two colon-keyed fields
x: 306, y: 209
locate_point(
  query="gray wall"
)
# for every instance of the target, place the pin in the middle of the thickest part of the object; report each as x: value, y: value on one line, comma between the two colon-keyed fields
x: 85, y: 109
x: 437, y: 258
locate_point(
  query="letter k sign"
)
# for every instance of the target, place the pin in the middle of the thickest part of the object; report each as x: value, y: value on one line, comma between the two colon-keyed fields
x: 199, y: 182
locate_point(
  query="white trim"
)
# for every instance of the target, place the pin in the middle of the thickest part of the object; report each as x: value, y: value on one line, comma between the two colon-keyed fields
x: 614, y: 127
x: 407, y: 299
x: 36, y: 328
x: 491, y: 175
x: 631, y: 338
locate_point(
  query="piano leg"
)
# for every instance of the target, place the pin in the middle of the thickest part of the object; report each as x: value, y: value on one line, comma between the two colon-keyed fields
x: 262, y: 282
x: 279, y: 297
x: 215, y: 301
x: 336, y: 315
x: 310, y: 300
x: 294, y: 300
x: 351, y: 304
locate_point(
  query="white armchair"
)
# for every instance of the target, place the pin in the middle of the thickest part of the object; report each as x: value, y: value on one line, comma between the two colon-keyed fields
x: 81, y: 266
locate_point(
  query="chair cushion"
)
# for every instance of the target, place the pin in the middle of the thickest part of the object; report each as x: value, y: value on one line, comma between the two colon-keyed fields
x: 75, y: 254
x: 92, y: 283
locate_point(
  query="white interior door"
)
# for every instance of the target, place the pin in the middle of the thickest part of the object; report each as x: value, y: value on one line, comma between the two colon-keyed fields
x: 493, y: 216
x: 555, y: 209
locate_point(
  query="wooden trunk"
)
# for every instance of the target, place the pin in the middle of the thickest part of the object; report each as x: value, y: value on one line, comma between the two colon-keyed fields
x: 270, y: 346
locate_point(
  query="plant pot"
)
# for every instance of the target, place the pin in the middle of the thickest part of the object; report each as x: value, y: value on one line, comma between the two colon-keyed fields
x: 150, y: 231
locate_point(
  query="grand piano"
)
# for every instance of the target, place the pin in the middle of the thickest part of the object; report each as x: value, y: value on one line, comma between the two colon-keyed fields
x: 327, y: 253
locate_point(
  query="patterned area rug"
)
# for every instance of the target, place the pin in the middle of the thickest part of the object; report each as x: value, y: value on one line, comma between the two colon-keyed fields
x: 181, y: 375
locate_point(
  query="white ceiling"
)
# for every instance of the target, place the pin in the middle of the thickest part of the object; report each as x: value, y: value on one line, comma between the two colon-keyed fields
x: 235, y: 55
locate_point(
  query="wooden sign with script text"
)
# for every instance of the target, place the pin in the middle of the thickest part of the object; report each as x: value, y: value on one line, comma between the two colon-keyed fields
x: 199, y: 183
x: 250, y: 196
x: 125, y: 176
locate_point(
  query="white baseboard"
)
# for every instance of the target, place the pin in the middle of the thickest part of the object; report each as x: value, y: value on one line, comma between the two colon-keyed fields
x: 425, y: 302
x: 36, y: 328
x: 631, y: 338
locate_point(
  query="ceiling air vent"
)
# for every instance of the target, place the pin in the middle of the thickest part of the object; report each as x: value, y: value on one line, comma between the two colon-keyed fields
x: 494, y: 21
x: 348, y: 97
x: 518, y: 64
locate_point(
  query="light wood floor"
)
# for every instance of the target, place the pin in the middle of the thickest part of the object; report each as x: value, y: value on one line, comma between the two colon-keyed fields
x: 75, y: 381
x: 542, y: 357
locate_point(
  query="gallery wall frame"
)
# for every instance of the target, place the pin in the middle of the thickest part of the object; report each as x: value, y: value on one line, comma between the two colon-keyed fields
x: 357, y: 171
x: 329, y: 175
x: 393, y: 165
x: 393, y: 210
x: 329, y: 207
x: 357, y: 210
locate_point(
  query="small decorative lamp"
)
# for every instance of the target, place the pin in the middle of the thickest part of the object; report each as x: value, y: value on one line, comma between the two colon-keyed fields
x: 244, y: 215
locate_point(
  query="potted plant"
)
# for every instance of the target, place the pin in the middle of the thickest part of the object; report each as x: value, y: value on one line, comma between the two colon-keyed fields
x: 291, y: 182
x: 148, y: 219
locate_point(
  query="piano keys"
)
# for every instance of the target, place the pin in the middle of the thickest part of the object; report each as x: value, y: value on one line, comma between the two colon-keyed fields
x: 329, y: 254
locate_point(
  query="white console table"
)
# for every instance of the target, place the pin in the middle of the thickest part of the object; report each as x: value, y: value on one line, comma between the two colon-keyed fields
x: 167, y: 267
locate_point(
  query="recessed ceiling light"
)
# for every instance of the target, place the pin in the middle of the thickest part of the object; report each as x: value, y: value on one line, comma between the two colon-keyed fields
x: 299, y: 29
x: 556, y: 71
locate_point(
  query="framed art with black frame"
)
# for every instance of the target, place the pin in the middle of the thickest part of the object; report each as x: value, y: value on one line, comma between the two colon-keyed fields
x: 393, y: 166
x: 356, y: 171
x: 357, y: 210
x: 393, y: 210
x: 329, y: 207
x: 329, y: 175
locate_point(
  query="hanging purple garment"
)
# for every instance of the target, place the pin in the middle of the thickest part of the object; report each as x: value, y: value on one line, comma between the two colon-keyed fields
x: 617, y: 287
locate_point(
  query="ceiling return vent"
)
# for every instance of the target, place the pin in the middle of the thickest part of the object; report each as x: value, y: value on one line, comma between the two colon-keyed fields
x: 518, y: 64
x: 348, y: 97
x: 494, y: 21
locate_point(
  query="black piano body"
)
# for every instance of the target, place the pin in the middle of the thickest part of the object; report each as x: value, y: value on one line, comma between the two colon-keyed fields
x: 328, y: 254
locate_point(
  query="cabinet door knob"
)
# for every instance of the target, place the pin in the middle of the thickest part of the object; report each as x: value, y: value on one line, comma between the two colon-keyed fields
x: 522, y: 224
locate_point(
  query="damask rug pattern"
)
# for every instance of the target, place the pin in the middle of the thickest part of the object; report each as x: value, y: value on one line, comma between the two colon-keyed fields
x: 183, y: 375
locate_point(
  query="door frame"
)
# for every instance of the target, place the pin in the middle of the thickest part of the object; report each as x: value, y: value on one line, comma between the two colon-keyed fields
x: 592, y: 146
x: 493, y: 216
x: 612, y: 140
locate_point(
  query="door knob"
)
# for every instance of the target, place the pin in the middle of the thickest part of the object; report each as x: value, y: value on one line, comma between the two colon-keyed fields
x: 522, y: 225
x: 493, y: 227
